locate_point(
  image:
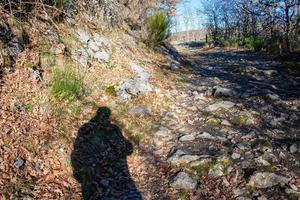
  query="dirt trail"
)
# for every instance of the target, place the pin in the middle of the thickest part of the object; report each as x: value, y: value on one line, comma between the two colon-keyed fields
x: 234, y: 130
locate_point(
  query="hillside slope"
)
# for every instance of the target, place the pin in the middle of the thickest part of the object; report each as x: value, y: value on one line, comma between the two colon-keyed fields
x: 89, y: 111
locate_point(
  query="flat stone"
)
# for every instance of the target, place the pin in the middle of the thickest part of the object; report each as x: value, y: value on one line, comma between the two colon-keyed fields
x: 226, y: 92
x: 267, y: 180
x: 226, y: 123
x: 238, y: 192
x: 243, y: 198
x: 205, y: 135
x: 273, y: 97
x: 219, y: 106
x: 140, y: 111
x: 200, y: 162
x: 261, y: 162
x: 179, y: 157
x: 183, y: 181
x: 187, y: 138
x: 163, y: 132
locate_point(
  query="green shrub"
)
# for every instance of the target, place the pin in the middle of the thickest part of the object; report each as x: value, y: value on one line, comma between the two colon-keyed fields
x: 254, y: 43
x: 258, y: 44
x: 224, y: 43
x: 158, y: 27
x: 272, y: 46
x: 230, y: 42
x: 66, y: 84
x: 111, y: 90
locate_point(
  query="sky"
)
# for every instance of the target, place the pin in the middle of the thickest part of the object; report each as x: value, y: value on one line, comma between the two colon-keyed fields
x: 186, y: 17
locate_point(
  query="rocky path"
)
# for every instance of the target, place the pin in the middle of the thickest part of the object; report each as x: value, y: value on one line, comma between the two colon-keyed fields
x: 234, y: 130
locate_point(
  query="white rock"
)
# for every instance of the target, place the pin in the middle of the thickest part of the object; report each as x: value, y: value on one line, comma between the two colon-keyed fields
x: 186, y: 138
x: 163, y: 132
x: 183, y: 181
x: 238, y: 192
x: 81, y: 56
x: 205, y: 135
x: 220, y: 105
x: 139, y: 71
x: 83, y: 36
x: 216, y: 171
x: 200, y: 162
x: 226, y: 123
x: 293, y: 148
x: 236, y: 156
x: 102, y: 56
x: 266, y: 180
x: 93, y: 46
x: 261, y: 162
x: 179, y: 157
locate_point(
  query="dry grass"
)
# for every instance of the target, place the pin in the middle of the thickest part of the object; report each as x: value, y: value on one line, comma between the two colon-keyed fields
x: 45, y: 140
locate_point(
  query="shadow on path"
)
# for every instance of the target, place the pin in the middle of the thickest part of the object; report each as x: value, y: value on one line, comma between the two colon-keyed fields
x: 99, y: 160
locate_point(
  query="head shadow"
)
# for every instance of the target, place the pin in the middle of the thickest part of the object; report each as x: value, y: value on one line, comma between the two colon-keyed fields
x: 99, y: 160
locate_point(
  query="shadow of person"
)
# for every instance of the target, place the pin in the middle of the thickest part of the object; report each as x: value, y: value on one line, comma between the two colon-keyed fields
x: 99, y: 160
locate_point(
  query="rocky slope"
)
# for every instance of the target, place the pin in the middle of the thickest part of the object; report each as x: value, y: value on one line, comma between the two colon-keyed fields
x: 143, y: 124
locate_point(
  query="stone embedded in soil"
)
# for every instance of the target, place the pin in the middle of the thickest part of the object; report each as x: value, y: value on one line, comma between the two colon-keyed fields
x: 183, y: 181
x: 243, y: 198
x: 19, y: 163
x: 221, y: 105
x: 226, y: 123
x: 163, y: 132
x: 187, y: 138
x: 238, y: 192
x: 135, y: 86
x: 200, y: 162
x: 267, y: 180
x: 216, y: 171
x: 205, y: 135
x: 236, y: 156
x: 179, y: 157
x: 140, y: 111
x: 83, y: 36
x: 105, y: 182
x: 102, y: 56
x: 293, y: 148
x: 226, y: 92
x: 175, y: 65
x: 261, y: 162
x: 273, y: 97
